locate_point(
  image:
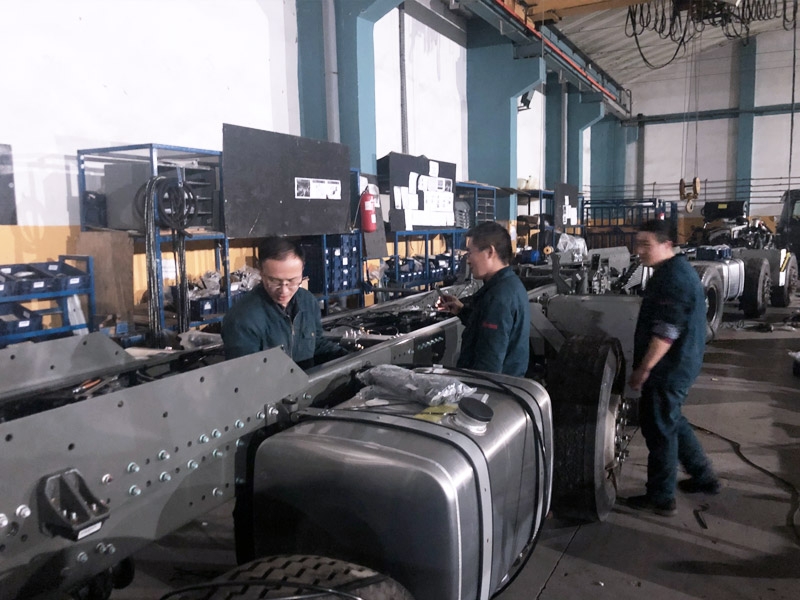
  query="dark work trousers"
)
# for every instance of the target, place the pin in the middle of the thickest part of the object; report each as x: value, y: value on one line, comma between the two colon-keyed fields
x: 670, y: 440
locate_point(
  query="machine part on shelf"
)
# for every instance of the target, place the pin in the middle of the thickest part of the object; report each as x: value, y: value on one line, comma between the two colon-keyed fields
x: 548, y: 250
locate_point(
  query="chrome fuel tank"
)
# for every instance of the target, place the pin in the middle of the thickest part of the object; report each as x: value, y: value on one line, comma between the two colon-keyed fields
x: 442, y: 499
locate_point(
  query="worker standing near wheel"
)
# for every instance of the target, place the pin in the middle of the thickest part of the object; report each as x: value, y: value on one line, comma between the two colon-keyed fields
x: 496, y: 317
x: 668, y: 353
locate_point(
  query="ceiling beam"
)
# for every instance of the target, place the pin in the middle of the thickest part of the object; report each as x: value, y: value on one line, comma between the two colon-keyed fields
x: 555, y: 10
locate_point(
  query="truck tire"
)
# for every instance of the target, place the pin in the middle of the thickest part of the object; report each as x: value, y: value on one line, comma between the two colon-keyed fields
x: 782, y: 295
x: 584, y: 383
x: 287, y: 574
x: 755, y: 297
x: 712, y: 288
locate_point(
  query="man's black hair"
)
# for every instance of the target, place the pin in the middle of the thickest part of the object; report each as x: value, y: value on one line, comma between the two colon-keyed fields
x: 279, y: 248
x: 662, y: 229
x: 492, y: 234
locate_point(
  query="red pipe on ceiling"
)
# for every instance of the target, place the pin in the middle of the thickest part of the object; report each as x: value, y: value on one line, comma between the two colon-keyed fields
x: 556, y: 50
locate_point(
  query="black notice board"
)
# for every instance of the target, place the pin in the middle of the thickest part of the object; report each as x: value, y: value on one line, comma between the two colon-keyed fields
x: 278, y: 184
x: 8, y: 204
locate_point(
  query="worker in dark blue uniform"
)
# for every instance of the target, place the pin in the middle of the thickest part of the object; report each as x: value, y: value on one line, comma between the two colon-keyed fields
x: 278, y: 312
x: 497, y: 316
x: 669, y: 343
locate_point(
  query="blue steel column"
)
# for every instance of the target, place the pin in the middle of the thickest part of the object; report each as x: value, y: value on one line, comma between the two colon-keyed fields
x: 311, y: 70
x: 747, y: 102
x: 552, y: 131
x: 495, y: 80
x: 355, y: 20
x: 584, y: 110
x: 608, y: 155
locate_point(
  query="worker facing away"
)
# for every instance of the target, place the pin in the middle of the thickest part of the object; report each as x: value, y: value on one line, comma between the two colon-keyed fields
x: 496, y: 317
x: 669, y: 343
x: 279, y: 312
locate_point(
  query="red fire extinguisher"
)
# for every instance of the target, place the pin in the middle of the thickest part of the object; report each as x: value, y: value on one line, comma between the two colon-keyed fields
x: 369, y: 217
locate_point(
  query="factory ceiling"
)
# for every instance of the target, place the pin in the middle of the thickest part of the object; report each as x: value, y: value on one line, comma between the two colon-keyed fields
x: 607, y: 38
x: 622, y: 36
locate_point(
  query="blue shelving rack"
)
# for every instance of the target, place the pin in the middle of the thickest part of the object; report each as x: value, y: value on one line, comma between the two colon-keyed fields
x: 151, y: 160
x: 322, y: 271
x: 60, y: 298
x: 481, y: 200
x: 427, y: 279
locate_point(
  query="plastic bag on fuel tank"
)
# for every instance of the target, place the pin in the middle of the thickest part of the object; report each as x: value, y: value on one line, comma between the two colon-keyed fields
x: 426, y: 388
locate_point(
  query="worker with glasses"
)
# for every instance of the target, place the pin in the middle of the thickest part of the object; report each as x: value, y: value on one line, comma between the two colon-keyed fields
x: 279, y: 312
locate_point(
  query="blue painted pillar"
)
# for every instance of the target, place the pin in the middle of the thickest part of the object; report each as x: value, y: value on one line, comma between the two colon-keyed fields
x: 553, y: 115
x: 584, y: 110
x: 747, y: 102
x: 609, y: 142
x: 355, y: 20
x: 495, y: 80
x: 311, y: 70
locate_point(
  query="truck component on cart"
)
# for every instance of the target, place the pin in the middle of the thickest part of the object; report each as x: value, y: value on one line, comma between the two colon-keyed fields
x: 120, y: 452
x: 367, y: 480
x: 755, y: 267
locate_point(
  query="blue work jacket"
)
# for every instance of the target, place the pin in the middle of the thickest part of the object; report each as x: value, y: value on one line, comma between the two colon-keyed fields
x: 497, y: 321
x: 674, y: 308
x: 256, y: 323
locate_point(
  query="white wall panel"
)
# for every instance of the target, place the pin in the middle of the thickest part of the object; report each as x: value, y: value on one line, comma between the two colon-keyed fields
x: 670, y: 152
x: 436, y: 92
x: 771, y: 155
x: 388, y: 127
x: 90, y: 73
x: 707, y: 81
x: 530, y: 141
x: 774, y: 69
x: 436, y: 72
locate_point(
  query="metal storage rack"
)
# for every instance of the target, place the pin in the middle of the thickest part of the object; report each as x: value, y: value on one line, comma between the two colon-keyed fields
x: 74, y: 284
x: 108, y: 179
x: 426, y: 278
x: 475, y: 203
x: 546, y: 207
x: 615, y: 222
x: 326, y: 263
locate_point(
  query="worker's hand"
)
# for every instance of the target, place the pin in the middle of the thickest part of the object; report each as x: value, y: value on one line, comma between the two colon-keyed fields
x: 638, y: 377
x: 449, y: 303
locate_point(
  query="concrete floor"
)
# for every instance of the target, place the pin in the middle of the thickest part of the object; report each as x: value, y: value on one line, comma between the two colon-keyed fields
x: 743, y: 543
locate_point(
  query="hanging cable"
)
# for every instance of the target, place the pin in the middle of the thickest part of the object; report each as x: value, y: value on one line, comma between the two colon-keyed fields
x: 640, y: 19
x: 687, y: 87
x: 794, y: 83
x: 155, y: 304
x: 695, y: 60
x: 683, y: 21
x: 166, y: 202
